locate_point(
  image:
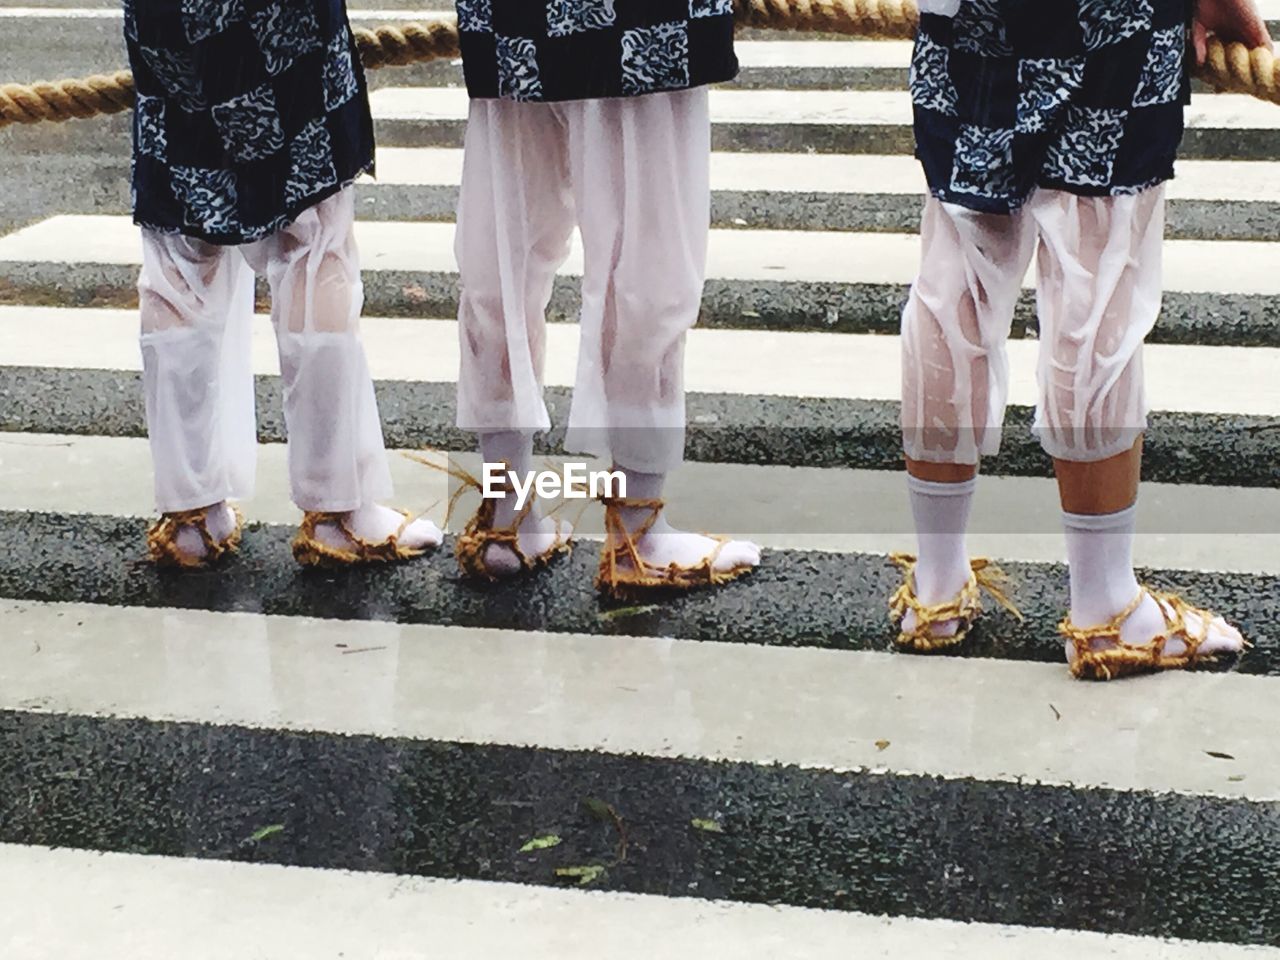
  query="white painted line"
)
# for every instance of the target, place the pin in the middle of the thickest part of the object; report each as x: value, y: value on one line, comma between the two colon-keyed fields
x: 1180, y: 378
x: 80, y: 905
x: 113, y: 476
x: 1192, y: 266
x: 831, y: 54
x: 1250, y: 181
x: 1182, y: 526
x: 989, y: 720
x: 828, y: 107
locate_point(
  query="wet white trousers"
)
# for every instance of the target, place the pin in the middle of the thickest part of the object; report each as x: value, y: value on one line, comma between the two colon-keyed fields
x: 633, y: 176
x: 1099, y: 287
x: 197, y: 303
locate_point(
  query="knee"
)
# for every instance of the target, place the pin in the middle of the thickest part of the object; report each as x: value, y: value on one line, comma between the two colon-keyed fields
x: 649, y: 320
x: 181, y: 282
x: 318, y: 292
x: 1093, y: 413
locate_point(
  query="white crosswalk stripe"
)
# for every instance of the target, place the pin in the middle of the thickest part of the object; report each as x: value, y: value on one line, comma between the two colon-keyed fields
x: 358, y: 733
x: 1193, y: 266
x: 831, y: 108
x: 1184, y: 526
x: 1183, y: 378
x: 151, y: 903
x: 1244, y: 181
x: 615, y: 694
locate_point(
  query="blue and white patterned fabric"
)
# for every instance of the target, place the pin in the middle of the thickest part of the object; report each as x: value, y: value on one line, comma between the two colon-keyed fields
x: 556, y: 50
x: 249, y: 112
x: 1085, y: 96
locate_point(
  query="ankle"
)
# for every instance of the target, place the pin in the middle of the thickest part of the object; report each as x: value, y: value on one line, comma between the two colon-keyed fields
x: 1100, y: 559
x: 941, y: 578
x: 941, y: 514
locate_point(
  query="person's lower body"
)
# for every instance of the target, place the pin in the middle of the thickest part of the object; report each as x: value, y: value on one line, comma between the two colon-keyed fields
x: 1099, y: 292
x: 197, y: 302
x: 632, y: 175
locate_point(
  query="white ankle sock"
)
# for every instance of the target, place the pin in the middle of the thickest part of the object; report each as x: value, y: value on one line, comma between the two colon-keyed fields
x: 941, y: 512
x: 1100, y: 554
x: 663, y: 544
x: 643, y: 486
x: 515, y: 449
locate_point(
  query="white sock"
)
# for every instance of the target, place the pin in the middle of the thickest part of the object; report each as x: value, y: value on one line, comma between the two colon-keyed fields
x: 941, y: 512
x: 374, y: 523
x: 537, y: 534
x: 1100, y: 554
x: 643, y: 486
x: 515, y: 449
x: 221, y: 523
x: 1103, y: 585
x: 663, y: 545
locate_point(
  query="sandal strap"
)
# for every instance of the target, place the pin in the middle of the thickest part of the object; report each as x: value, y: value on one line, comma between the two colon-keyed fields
x: 308, y: 548
x: 480, y: 533
x: 621, y: 545
x: 1176, y: 613
x: 620, y: 541
x: 162, y: 537
x: 984, y: 576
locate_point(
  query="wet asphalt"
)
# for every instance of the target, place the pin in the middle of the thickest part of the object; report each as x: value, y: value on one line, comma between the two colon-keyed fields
x: 1134, y: 863
x: 795, y: 599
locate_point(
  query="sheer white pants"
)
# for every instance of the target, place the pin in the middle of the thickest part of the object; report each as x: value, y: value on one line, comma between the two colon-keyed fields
x: 633, y: 176
x: 197, y: 304
x: 1099, y: 290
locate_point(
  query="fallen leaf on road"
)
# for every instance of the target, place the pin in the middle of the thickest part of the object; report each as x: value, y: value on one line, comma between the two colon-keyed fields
x: 584, y: 875
x: 541, y: 843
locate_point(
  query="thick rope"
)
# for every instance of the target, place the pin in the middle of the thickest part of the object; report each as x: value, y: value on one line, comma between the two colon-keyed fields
x: 1230, y: 67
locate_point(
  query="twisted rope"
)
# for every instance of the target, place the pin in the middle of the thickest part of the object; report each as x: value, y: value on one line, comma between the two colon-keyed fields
x: 1230, y: 67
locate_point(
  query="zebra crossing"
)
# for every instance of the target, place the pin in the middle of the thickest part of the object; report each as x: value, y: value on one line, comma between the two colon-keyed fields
x: 269, y: 762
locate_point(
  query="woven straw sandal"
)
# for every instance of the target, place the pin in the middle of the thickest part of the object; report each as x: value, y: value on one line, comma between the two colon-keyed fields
x: 162, y: 539
x: 1122, y: 659
x: 310, y: 551
x: 480, y: 533
x: 964, y: 608
x: 625, y: 575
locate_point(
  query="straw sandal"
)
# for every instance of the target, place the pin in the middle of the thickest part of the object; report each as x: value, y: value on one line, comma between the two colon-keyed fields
x: 162, y: 539
x: 472, y: 545
x: 964, y: 608
x: 635, y: 577
x: 1122, y: 659
x: 310, y: 551
x: 480, y: 534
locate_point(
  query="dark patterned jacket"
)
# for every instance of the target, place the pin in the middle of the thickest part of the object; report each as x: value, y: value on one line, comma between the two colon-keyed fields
x: 551, y: 50
x: 248, y: 113
x: 1083, y: 96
